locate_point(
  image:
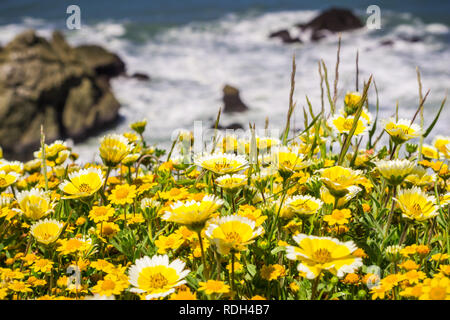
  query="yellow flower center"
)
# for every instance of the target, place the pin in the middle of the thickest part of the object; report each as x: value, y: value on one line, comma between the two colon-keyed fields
x: 221, y: 165
x: 3, y: 182
x: 437, y: 293
x: 157, y: 281
x: 348, y: 124
x: 416, y: 209
x: 121, y: 193
x: 108, y: 285
x: 85, y: 188
x: 322, y: 256
x: 233, y: 236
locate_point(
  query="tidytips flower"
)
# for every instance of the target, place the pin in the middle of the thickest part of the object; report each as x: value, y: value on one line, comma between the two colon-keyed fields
x: 395, y: 171
x: 193, y: 214
x: 415, y: 204
x: 338, y: 179
x: 232, y: 233
x: 341, y: 124
x: 221, y: 163
x: 83, y: 183
x: 442, y: 144
x: 231, y: 182
x: 113, y: 149
x: 7, y: 179
x: 35, y: 203
x: 402, y: 130
x: 304, y: 205
x: 155, y: 277
x: 46, y: 231
x: 323, y: 253
x: 351, y: 102
x: 288, y: 160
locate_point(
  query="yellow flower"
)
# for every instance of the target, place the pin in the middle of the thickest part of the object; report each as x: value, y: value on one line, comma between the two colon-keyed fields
x: 272, y: 272
x: 19, y: 286
x: 193, y: 214
x: 395, y: 171
x: 414, y: 276
x: 7, y: 179
x: 221, y: 163
x: 232, y: 232
x: 338, y: 217
x: 430, y: 152
x: 111, y: 285
x: 415, y: 204
x: 402, y: 130
x: 83, y: 183
x: 252, y: 213
x: 338, y: 179
x: 420, y: 178
x: 101, y: 213
x: 328, y: 198
x: 123, y: 194
x: 101, y: 265
x: 52, y: 151
x: 442, y: 144
x: 113, y: 149
x: 342, y: 124
x: 351, y: 278
x: 304, y: 205
x: 409, y: 265
x: 323, y: 253
x: 288, y: 160
x: 231, y: 182
x: 379, y: 292
x: 68, y: 246
x: 439, y: 257
x: 414, y: 291
x: 139, y: 126
x: 46, y: 231
x: 43, y: 265
x: 172, y: 242
x: 174, y: 194
x: 437, y: 288
x: 213, y: 286
x: 107, y: 229
x: 155, y: 277
x: 238, y: 267
x: 35, y: 203
x: 183, y: 293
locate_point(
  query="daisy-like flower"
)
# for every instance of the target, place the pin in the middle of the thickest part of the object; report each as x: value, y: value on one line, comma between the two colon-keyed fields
x: 232, y: 233
x: 73, y: 245
x: 11, y: 166
x: 7, y: 179
x: 110, y: 285
x: 341, y: 124
x: 395, y: 171
x: 351, y: 101
x: 35, y: 203
x: 264, y: 143
x: 323, y: 253
x: 338, y: 217
x: 221, y: 163
x: 437, y: 288
x: 46, y: 231
x: 288, y: 160
x: 83, y: 183
x: 213, y: 286
x: 415, y: 204
x: 419, y: 177
x: 113, y: 149
x: 304, y: 205
x: 231, y: 182
x: 155, y: 277
x: 193, y: 214
x: 123, y: 194
x: 272, y: 272
x: 328, y: 198
x: 139, y: 126
x: 52, y: 150
x: 430, y: 152
x: 442, y: 144
x: 402, y: 130
x: 338, y: 180
x: 101, y: 213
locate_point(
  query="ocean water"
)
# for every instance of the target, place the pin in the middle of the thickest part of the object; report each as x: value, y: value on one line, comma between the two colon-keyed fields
x: 192, y: 48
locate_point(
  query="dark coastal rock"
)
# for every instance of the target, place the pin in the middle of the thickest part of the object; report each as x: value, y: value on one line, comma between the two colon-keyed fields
x: 233, y: 126
x: 285, y: 36
x: 331, y: 21
x: 232, y: 100
x: 140, y: 76
x: 101, y: 60
x: 49, y: 82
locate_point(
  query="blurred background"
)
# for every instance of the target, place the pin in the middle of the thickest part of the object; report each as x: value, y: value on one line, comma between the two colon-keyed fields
x: 190, y: 49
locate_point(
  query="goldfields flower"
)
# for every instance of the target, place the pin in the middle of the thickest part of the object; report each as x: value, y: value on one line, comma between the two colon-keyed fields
x: 323, y: 253
x: 101, y: 213
x: 402, y: 130
x: 110, y: 285
x: 231, y: 182
x: 74, y: 245
x: 113, y: 149
x: 7, y: 179
x: 213, y: 286
x: 430, y: 152
x: 171, y: 242
x: 183, y: 293
x: 272, y: 272
x: 304, y: 205
x: 415, y: 204
x: 443, y: 145
x: 394, y: 171
x: 35, y: 203
x: 338, y: 180
x: 341, y: 124
x: 43, y: 265
x: 123, y: 194
x: 252, y: 213
x: 232, y: 233
x: 155, y: 277
x: 221, y: 163
x: 437, y: 288
x: 46, y: 231
x: 338, y: 217
x: 107, y: 229
x: 83, y: 183
x: 193, y: 214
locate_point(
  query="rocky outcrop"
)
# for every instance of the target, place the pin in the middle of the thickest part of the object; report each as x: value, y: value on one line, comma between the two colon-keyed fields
x: 51, y: 83
x: 285, y: 36
x: 232, y: 100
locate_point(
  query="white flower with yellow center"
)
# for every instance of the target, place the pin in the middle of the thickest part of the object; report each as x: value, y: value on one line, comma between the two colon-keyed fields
x: 11, y: 166
x: 232, y: 233
x: 7, y: 179
x: 113, y: 149
x: 341, y: 124
x: 443, y: 145
x: 430, y: 152
x: 338, y: 180
x: 52, y: 150
x: 83, y: 183
x: 231, y: 182
x: 419, y: 177
x: 323, y: 253
x: 221, y: 163
x: 288, y: 159
x: 395, y: 171
x: 402, y: 130
x: 155, y: 277
x: 304, y: 205
x: 46, y: 231
x: 35, y: 203
x: 193, y: 214
x: 415, y: 204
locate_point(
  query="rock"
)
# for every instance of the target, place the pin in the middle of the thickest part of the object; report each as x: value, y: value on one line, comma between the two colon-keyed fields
x: 285, y: 36
x: 48, y: 82
x: 331, y: 20
x: 102, y: 61
x: 232, y: 100
x: 387, y: 43
x: 140, y: 76
x: 233, y: 126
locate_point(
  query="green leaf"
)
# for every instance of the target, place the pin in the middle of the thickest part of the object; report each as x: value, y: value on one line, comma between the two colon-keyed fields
x: 435, y: 119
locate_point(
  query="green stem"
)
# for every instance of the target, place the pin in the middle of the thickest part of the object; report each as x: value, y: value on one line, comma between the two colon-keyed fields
x: 205, y: 266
